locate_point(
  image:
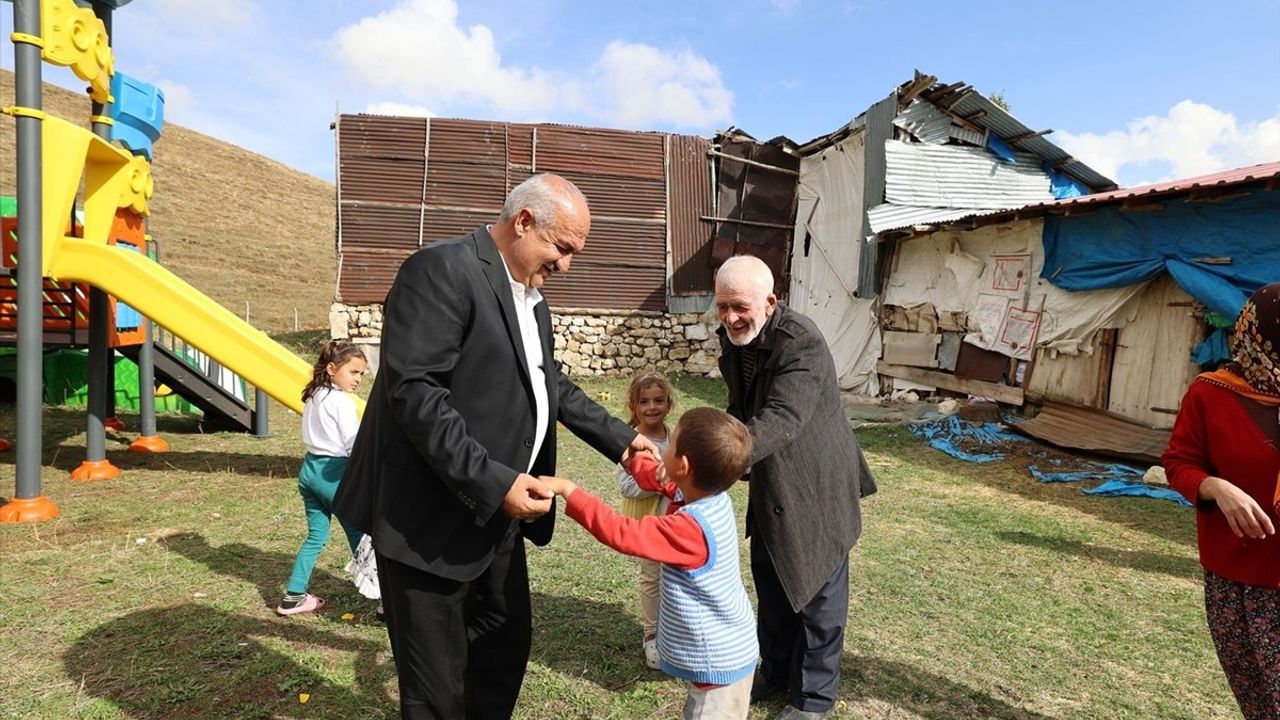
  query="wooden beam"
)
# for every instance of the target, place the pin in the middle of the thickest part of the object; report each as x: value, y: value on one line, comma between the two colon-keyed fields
x: 753, y: 163
x: 974, y: 116
x: 750, y: 223
x: 1000, y: 393
x: 1026, y: 136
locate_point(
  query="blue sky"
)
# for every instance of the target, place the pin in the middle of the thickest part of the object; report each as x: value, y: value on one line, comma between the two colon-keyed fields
x: 1143, y: 90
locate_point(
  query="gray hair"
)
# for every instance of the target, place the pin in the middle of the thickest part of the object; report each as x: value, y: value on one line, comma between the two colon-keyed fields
x: 742, y: 271
x: 547, y: 197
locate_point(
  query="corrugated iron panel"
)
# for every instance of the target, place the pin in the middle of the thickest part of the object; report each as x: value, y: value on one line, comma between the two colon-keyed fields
x: 381, y: 136
x: 925, y: 122
x: 889, y: 216
x: 997, y: 120
x: 464, y: 185
x: 628, y: 197
x: 623, y: 243
x: 520, y: 144
x: 365, y: 275
x: 946, y: 176
x: 473, y: 142
x: 595, y: 285
x: 599, y: 152
x: 873, y: 261
x: 1080, y: 428
x: 445, y: 224
x: 382, y: 226
x: 689, y: 199
x: 381, y: 179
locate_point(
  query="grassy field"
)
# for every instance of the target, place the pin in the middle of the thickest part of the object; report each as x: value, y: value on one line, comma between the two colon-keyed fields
x: 976, y: 593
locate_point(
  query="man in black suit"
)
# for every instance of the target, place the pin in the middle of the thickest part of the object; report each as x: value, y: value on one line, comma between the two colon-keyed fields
x: 460, y: 422
x: 807, y: 477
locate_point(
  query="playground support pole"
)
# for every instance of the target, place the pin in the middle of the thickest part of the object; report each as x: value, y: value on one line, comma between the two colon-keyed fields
x: 27, y: 504
x: 261, y: 428
x: 96, y: 466
x: 149, y: 441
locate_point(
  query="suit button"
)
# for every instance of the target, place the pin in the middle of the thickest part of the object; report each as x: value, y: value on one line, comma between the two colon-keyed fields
x: 528, y: 442
x: 777, y: 509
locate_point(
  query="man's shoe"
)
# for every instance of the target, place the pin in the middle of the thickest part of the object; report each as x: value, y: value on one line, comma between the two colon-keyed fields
x: 762, y: 689
x: 791, y: 712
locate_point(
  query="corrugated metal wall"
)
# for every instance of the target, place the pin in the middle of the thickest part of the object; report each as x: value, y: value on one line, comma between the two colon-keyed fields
x: 407, y: 182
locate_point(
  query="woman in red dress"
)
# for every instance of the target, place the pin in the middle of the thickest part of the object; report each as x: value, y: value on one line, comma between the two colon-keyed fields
x: 1224, y: 456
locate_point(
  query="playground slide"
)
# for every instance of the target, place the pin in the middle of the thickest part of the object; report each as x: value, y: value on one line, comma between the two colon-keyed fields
x: 186, y: 312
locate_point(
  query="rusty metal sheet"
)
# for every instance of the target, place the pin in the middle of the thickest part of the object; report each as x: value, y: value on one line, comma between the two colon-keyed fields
x: 623, y: 243
x: 592, y: 285
x: 385, y: 226
x: 562, y: 149
x: 381, y: 179
x: 1081, y: 428
x: 446, y: 224
x: 689, y: 200
x: 520, y: 147
x: 382, y: 137
x: 475, y: 142
x: 466, y: 185
x: 365, y: 274
x: 622, y: 197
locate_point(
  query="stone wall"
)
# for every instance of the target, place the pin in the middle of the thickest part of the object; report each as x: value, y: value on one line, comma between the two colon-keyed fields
x: 587, y: 341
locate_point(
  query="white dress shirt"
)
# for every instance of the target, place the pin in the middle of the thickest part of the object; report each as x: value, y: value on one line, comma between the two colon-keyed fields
x: 329, y: 423
x: 525, y: 299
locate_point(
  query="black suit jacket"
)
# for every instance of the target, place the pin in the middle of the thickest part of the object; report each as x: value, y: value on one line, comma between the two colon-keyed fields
x: 808, y: 473
x: 450, y: 418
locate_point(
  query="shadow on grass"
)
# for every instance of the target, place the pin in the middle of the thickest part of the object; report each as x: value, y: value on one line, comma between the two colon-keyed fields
x: 1010, y: 475
x: 923, y: 693
x: 1172, y: 565
x: 265, y: 570
x: 194, y: 661
x: 192, y: 461
x: 597, y: 641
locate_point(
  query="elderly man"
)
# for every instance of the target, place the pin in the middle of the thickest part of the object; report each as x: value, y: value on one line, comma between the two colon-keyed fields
x: 806, y: 479
x: 460, y: 422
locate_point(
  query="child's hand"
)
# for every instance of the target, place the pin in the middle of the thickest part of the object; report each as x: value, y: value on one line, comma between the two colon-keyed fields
x: 558, y: 485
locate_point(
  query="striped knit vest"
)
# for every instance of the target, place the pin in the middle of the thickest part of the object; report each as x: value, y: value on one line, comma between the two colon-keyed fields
x: 706, y: 628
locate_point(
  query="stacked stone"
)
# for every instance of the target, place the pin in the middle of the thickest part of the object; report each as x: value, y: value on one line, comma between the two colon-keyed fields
x: 591, y: 341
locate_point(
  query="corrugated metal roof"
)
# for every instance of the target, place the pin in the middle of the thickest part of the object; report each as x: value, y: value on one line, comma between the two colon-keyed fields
x: 891, y: 217
x: 1237, y: 176
x: 951, y: 176
x: 926, y: 122
x: 1080, y: 428
x: 968, y: 103
x: 365, y: 274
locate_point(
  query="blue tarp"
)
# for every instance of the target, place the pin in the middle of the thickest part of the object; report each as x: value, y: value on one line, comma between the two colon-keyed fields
x: 1120, y: 480
x: 972, y: 442
x: 1110, y: 248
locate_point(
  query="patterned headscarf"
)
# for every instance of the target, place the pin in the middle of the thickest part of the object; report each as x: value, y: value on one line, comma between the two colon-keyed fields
x: 1255, y: 346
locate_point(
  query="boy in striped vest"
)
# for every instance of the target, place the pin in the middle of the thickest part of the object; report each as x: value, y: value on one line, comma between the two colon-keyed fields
x: 706, y: 627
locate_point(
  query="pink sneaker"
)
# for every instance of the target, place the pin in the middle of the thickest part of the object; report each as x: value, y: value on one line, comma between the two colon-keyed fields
x: 310, y: 603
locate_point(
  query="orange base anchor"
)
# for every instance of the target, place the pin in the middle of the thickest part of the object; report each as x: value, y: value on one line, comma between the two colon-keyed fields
x: 149, y: 444
x: 36, y: 509
x: 95, y: 470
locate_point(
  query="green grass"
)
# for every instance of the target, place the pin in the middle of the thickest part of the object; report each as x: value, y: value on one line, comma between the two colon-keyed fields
x: 976, y: 592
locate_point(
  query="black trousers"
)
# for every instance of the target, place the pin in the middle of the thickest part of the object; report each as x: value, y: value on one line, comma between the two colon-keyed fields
x: 460, y: 647
x: 801, y: 651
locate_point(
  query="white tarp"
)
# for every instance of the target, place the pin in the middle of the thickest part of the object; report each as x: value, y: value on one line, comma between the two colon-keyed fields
x: 993, y: 274
x: 824, y: 262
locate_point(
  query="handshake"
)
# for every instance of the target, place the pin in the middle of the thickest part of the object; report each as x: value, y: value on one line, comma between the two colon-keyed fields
x: 530, y: 497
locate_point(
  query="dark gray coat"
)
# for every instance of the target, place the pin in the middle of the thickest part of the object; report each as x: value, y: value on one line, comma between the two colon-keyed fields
x: 808, y: 471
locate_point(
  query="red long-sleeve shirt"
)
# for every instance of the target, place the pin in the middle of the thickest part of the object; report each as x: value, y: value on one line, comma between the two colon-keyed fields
x: 1215, y: 435
x: 674, y: 539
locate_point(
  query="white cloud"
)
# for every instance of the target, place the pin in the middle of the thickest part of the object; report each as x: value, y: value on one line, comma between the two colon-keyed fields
x: 398, y: 109
x: 784, y: 6
x: 418, y: 49
x: 179, y: 101
x: 1191, y: 139
x: 649, y: 86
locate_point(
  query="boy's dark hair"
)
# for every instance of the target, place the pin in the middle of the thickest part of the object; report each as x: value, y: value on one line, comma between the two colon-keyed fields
x: 717, y: 445
x: 338, y: 352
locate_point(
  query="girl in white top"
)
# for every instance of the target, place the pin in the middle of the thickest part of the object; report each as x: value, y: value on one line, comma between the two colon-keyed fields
x: 649, y: 400
x: 329, y: 425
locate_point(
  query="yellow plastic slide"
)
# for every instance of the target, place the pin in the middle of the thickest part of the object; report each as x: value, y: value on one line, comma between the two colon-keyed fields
x: 186, y: 312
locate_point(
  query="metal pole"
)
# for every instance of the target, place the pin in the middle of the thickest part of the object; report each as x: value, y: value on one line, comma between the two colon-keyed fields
x: 260, y: 425
x: 28, y: 505
x: 149, y: 441
x: 96, y: 466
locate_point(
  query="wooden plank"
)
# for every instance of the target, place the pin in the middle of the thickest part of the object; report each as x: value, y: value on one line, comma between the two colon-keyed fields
x: 999, y: 393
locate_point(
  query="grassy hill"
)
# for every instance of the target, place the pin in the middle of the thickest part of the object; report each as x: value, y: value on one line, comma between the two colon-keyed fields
x: 236, y: 225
